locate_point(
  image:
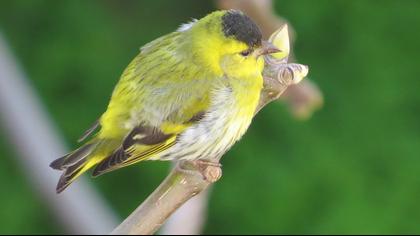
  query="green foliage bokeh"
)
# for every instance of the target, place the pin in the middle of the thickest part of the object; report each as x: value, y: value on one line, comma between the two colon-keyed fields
x: 352, y: 168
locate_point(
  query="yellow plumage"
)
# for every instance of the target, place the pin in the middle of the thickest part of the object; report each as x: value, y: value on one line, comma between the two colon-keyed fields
x: 187, y: 95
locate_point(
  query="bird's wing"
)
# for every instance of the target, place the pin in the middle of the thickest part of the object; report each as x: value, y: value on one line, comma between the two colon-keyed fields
x: 142, y: 143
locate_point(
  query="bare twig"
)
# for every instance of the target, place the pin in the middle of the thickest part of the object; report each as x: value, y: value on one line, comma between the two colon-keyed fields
x: 186, y: 180
x: 190, y: 218
x: 176, y: 189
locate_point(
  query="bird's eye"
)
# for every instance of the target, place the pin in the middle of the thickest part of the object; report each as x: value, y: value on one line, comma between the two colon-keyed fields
x: 246, y: 52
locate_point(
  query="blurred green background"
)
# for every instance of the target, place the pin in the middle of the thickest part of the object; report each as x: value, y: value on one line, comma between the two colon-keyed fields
x: 352, y: 168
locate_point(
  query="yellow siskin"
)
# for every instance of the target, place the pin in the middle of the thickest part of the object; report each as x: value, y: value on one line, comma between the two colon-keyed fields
x: 188, y: 95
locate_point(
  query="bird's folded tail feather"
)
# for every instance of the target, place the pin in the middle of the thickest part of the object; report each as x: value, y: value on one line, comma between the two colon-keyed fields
x: 79, y: 161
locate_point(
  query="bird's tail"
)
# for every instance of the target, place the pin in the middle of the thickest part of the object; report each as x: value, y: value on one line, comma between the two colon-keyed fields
x: 79, y: 161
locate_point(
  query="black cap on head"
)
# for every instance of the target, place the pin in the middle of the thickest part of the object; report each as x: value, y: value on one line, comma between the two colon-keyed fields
x: 240, y: 26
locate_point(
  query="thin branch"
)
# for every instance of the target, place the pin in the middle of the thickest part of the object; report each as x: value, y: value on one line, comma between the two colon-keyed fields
x: 175, y: 190
x: 190, y: 218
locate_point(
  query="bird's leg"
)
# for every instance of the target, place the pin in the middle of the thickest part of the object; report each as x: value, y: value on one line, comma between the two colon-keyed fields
x: 209, y: 170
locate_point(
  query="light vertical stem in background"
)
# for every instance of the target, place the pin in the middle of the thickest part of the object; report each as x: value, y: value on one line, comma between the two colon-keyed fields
x: 81, y: 210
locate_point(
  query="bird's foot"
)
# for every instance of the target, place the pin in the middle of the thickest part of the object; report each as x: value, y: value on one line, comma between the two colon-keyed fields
x: 208, y: 170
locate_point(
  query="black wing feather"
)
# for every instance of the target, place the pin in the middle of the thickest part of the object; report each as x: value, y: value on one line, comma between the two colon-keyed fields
x: 141, y: 135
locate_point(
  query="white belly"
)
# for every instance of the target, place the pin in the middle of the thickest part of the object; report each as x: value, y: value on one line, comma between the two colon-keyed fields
x: 215, y: 133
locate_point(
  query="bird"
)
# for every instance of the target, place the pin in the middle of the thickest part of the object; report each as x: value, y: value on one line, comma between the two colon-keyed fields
x: 188, y: 95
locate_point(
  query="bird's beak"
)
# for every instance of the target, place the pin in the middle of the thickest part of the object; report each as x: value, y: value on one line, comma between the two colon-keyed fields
x: 267, y: 48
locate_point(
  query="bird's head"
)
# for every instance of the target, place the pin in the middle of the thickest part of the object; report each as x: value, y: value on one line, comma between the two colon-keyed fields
x: 228, y: 42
